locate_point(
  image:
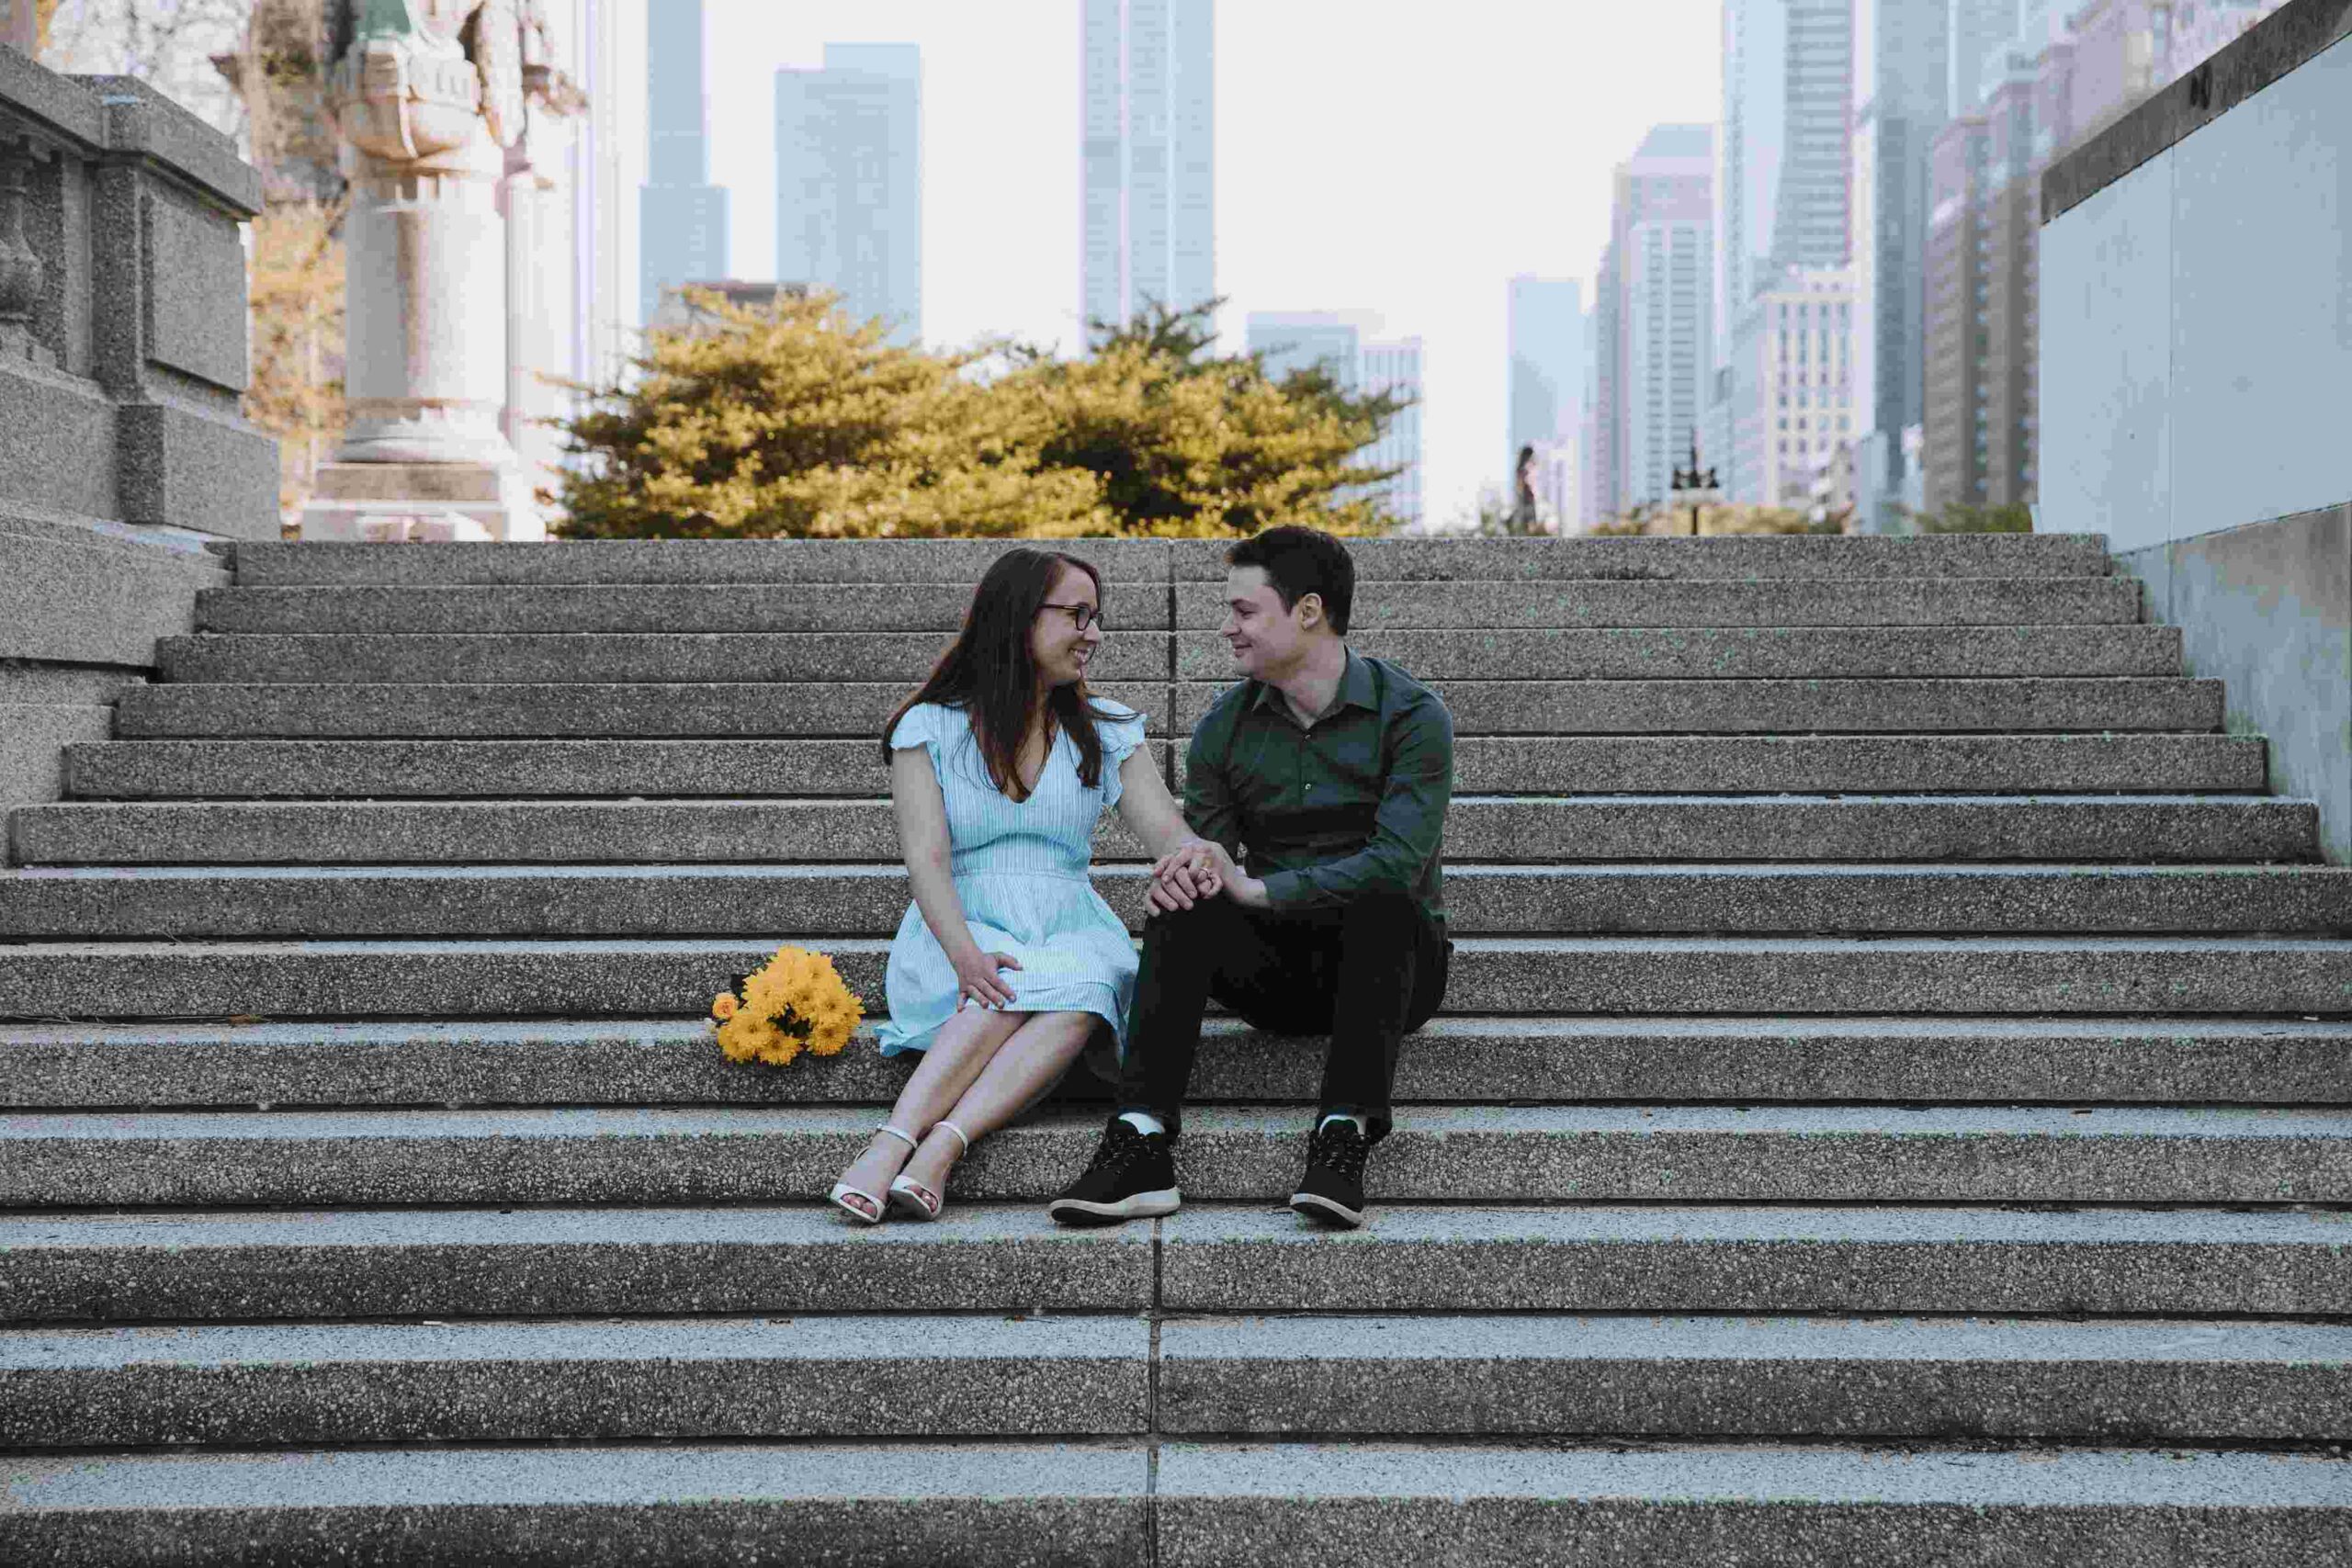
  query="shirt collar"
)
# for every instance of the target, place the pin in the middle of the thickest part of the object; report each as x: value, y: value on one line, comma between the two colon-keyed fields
x: 1355, y: 689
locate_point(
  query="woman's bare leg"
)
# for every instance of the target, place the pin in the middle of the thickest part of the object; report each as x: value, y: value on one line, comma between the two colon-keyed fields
x: 1015, y: 1077
x: 959, y: 1051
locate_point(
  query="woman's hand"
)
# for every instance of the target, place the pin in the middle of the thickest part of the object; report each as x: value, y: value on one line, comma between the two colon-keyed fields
x: 1184, y: 875
x: 975, y: 978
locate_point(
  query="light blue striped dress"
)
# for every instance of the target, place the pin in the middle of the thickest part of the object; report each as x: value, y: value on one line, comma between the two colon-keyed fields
x: 1021, y: 871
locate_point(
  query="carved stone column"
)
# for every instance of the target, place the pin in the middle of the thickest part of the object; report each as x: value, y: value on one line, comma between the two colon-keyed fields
x: 425, y: 125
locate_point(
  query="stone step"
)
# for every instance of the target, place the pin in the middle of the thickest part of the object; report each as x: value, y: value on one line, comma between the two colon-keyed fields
x: 813, y: 1505
x: 804, y: 562
x: 1745, y: 653
x: 1688, y: 1377
x: 661, y: 1378
x: 1736, y: 764
x: 2181, y: 828
x: 522, y: 710
x: 852, y: 607
x: 1181, y: 1506
x: 1766, y: 706
x: 1455, y: 1154
x: 1010, y: 1258
x: 740, y: 658
x: 633, y: 977
x: 106, y: 903
x: 1464, y: 1060
x: 2143, y: 1380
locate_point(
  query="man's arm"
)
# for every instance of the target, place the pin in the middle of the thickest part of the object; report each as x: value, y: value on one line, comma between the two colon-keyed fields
x: 1408, y: 826
x: 1211, y: 808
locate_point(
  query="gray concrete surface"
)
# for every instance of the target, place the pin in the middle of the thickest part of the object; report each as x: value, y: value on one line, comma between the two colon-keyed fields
x: 1590, y: 1154
x: 1467, y: 1060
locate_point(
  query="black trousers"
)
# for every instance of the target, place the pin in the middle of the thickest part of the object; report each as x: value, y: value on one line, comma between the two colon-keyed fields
x: 1367, y: 974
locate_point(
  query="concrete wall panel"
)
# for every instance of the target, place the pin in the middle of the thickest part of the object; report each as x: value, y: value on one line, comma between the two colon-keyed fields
x: 2261, y: 304
x: 2106, y: 332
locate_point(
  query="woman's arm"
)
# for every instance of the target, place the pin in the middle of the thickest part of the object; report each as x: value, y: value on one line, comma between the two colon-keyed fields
x: 1147, y: 808
x: 923, y: 839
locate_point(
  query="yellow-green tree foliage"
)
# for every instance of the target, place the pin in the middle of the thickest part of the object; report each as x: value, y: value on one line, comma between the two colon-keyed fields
x: 794, y: 420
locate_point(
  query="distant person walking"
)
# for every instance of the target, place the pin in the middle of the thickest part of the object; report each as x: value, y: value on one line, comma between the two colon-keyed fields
x: 1522, y: 519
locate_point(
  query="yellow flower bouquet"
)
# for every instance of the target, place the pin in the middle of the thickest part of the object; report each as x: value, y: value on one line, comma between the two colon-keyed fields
x: 795, y: 1002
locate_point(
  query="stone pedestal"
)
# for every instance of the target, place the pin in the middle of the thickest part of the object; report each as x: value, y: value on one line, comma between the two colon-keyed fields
x: 391, y: 502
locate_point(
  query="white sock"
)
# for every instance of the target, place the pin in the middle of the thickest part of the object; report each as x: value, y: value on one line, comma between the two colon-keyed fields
x: 1362, y: 1130
x: 1143, y: 1122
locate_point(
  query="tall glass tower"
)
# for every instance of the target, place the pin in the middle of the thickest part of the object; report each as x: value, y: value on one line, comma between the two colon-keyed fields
x: 681, y: 217
x: 1147, y: 229
x: 848, y: 181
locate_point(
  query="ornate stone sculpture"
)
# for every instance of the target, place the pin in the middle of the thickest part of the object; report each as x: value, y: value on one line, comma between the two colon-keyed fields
x: 431, y: 97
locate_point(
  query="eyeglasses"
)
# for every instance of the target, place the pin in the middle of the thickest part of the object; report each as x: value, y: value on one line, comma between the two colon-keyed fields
x: 1084, y: 614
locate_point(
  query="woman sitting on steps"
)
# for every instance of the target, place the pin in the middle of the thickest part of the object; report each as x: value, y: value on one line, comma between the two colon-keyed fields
x: 1001, y: 767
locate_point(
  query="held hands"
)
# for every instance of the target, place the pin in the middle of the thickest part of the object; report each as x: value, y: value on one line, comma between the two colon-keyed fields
x: 1194, y: 870
x: 977, y: 981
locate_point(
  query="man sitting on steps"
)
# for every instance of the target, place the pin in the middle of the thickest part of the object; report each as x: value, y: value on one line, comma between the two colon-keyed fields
x: 1335, y: 771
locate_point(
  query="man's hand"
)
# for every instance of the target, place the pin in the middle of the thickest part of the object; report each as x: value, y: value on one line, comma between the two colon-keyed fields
x: 1183, y: 876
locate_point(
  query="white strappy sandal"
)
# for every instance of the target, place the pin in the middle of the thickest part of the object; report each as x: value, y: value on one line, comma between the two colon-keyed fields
x: 842, y: 1189
x: 914, y: 1199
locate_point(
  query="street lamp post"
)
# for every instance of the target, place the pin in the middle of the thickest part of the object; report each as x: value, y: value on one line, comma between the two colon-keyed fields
x: 1694, y: 486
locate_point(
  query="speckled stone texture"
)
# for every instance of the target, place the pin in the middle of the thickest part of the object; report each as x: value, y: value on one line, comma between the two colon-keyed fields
x: 1458, y: 1060
x: 550, y: 710
x: 2113, y: 827
x: 2142, y: 1381
x: 1917, y: 602
x: 718, y: 658
x: 1657, y: 559
x: 641, y: 976
x: 1237, y: 1506
x: 851, y: 1377
x: 1479, y: 1153
x: 781, y: 563
x: 1743, y: 653
x: 702, y: 608
x: 107, y: 902
x: 1739, y: 764
x: 542, y: 1262
x: 824, y: 1506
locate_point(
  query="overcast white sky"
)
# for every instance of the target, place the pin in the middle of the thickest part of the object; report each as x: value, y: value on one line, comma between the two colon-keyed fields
x: 1401, y: 157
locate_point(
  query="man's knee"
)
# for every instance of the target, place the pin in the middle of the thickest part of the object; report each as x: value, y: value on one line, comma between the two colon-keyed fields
x: 1185, y: 927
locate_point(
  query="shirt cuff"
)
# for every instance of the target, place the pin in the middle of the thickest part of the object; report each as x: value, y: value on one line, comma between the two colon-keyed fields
x: 1286, y: 889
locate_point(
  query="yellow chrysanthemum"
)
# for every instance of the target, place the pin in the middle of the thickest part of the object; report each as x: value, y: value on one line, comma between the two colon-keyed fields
x: 796, y: 1001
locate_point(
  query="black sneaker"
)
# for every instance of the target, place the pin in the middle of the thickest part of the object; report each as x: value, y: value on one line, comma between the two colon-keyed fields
x: 1333, y: 1190
x: 1133, y: 1177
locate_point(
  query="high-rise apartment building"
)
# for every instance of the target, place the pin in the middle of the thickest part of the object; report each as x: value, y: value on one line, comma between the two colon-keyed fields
x: 1653, y: 318
x: 848, y: 181
x: 1147, y: 231
x: 1783, y: 190
x: 1549, y: 373
x: 1800, y: 335
x: 681, y: 217
x: 1288, y: 341
x: 2061, y: 75
x: 1396, y: 366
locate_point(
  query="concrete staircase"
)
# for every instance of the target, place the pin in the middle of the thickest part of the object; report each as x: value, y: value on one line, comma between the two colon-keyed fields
x: 1895, y: 1105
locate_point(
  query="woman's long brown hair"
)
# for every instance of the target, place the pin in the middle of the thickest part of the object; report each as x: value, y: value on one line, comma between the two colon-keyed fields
x: 989, y: 672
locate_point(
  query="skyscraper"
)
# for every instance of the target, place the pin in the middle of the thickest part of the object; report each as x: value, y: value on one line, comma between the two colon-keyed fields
x: 1147, y: 229
x: 848, y: 181
x: 1549, y: 375
x: 1653, y: 317
x: 1782, y: 190
x: 681, y: 217
x: 1903, y: 58
x: 1396, y: 366
x: 1288, y: 341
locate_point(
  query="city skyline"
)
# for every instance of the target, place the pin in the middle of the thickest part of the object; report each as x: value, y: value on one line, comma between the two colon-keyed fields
x: 1420, y: 205
x: 849, y: 180
x: 1148, y: 229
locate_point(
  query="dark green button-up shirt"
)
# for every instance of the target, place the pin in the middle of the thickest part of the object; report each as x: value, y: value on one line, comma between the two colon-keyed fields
x: 1352, y: 803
